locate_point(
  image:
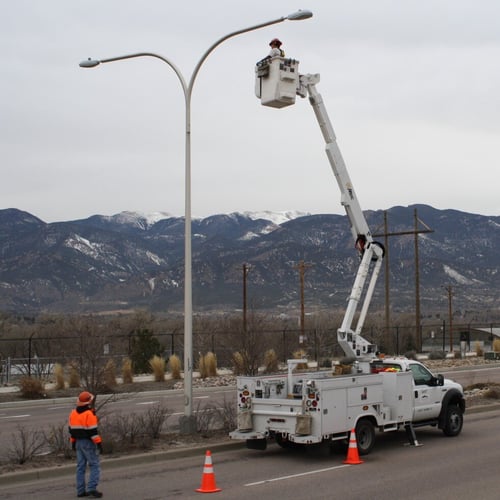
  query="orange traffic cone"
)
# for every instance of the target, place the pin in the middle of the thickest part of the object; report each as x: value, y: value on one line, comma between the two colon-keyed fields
x: 208, y: 478
x: 352, y: 451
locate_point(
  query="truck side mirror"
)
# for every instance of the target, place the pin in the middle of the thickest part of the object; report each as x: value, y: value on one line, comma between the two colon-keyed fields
x: 440, y: 379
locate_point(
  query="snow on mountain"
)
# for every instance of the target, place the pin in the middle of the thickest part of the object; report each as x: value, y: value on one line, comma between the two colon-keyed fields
x: 276, y: 217
x: 459, y: 278
x: 137, y: 219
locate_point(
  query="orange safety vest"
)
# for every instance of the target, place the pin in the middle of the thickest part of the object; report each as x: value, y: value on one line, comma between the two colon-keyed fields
x: 83, y: 425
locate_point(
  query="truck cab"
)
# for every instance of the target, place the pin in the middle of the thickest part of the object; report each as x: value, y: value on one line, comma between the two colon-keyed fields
x: 436, y: 400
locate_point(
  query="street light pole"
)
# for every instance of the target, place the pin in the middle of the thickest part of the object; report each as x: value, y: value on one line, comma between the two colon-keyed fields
x: 188, y: 422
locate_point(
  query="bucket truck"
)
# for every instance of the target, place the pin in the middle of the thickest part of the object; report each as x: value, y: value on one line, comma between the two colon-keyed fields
x: 388, y: 394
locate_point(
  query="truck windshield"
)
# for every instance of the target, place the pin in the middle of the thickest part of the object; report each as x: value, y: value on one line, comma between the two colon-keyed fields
x: 421, y: 375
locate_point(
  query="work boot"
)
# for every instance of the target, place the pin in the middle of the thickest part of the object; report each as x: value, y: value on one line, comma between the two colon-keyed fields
x: 94, y: 494
x: 84, y: 494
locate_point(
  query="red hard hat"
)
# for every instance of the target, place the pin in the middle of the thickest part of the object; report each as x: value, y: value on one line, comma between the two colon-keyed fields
x: 275, y: 41
x: 84, y: 399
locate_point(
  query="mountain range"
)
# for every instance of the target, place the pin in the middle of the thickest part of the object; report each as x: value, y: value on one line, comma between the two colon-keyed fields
x: 129, y: 261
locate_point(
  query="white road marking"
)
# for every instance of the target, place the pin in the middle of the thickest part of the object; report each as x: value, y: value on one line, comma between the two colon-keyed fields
x: 282, y: 478
x: 147, y: 403
x: 16, y: 416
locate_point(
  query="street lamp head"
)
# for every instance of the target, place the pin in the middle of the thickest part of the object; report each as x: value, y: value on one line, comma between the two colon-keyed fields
x: 299, y: 15
x: 90, y: 63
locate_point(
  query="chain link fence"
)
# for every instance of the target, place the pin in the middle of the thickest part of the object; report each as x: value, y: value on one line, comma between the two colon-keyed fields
x: 36, y: 356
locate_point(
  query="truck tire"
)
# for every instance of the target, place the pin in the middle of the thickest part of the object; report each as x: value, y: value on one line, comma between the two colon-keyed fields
x: 365, y: 436
x: 454, y: 420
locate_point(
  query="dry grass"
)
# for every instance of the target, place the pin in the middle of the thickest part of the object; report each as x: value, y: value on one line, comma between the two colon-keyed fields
x: 127, y: 371
x: 59, y: 376
x: 110, y: 374
x: 74, y: 375
x: 174, y: 364
x: 238, y: 363
x: 271, y: 364
x: 300, y: 354
x: 158, y: 366
x: 496, y: 345
x: 210, y: 361
x: 31, y: 388
x: 478, y: 349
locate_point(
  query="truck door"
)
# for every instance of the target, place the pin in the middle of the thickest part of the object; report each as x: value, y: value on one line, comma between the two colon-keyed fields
x: 427, y: 394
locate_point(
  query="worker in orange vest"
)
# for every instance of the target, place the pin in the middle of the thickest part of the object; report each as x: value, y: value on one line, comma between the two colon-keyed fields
x: 85, y: 439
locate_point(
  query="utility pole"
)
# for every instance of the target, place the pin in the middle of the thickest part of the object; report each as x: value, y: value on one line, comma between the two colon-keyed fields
x: 245, y: 273
x: 302, y: 269
x: 449, y: 289
x: 416, y: 231
x: 387, y: 280
x: 418, y: 331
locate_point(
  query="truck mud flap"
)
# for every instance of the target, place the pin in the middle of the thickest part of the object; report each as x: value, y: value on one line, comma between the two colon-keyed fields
x: 245, y: 421
x: 303, y: 425
x: 256, y: 444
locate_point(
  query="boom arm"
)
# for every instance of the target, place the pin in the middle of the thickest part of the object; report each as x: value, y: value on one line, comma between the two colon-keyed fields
x: 351, y: 341
x: 277, y: 82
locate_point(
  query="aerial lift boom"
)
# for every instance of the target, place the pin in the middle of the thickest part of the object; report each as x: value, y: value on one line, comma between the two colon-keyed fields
x: 274, y: 85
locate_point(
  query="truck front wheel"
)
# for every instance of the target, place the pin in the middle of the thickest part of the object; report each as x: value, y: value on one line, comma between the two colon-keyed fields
x: 365, y: 436
x: 454, y: 420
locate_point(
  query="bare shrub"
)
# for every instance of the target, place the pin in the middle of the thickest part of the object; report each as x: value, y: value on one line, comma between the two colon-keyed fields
x: 121, y: 430
x: 457, y: 355
x: 271, y: 364
x: 31, y: 388
x: 492, y: 393
x: 109, y: 374
x: 158, y: 366
x: 154, y: 420
x: 26, y: 443
x: 59, y: 376
x: 210, y: 361
x: 127, y: 371
x: 206, y: 418
x: 174, y: 364
x: 74, y: 375
x: 437, y: 355
x: 58, y: 440
x: 227, y: 415
x: 211, y: 418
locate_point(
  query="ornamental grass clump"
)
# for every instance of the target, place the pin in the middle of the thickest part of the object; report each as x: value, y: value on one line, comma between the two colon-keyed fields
x: 127, y: 371
x: 59, y: 377
x: 174, y: 364
x: 158, y: 366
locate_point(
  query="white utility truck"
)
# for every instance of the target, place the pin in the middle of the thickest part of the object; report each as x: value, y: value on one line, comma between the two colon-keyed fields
x: 318, y: 408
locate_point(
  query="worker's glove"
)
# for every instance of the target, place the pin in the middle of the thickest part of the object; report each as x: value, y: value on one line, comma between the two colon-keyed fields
x: 73, y: 445
x: 99, y: 447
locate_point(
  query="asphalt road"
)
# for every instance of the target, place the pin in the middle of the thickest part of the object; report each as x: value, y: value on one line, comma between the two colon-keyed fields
x: 46, y: 414
x: 442, y: 468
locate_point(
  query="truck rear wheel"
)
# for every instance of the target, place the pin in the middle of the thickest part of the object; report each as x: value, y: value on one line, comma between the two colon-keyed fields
x: 365, y: 436
x: 454, y: 420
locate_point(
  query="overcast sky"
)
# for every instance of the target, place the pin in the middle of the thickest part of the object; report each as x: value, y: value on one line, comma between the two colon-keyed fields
x: 412, y: 89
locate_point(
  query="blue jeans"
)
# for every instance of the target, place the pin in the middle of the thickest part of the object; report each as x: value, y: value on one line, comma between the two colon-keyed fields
x: 86, y: 453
